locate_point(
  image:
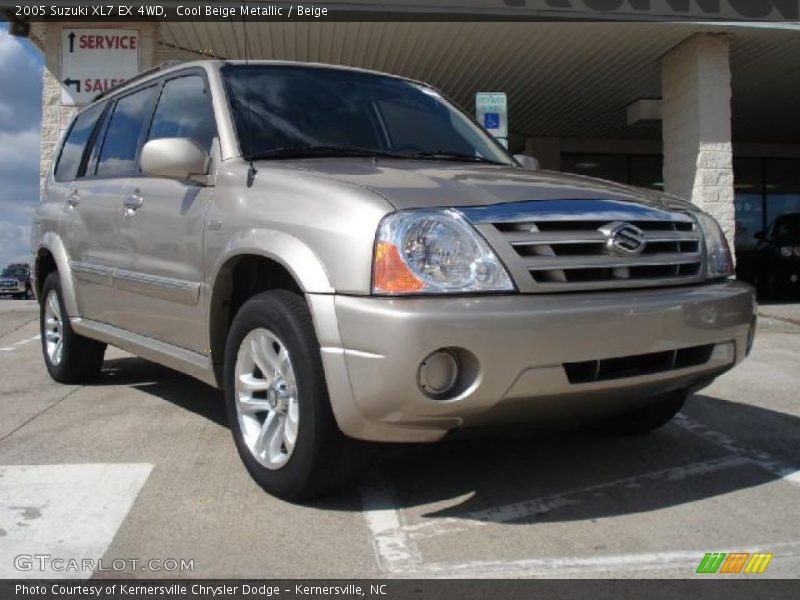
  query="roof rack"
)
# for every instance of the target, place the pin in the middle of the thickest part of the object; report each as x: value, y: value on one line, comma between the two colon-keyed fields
x: 160, y: 67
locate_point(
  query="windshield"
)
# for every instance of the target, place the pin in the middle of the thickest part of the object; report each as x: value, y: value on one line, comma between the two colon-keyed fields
x: 15, y: 272
x: 283, y: 110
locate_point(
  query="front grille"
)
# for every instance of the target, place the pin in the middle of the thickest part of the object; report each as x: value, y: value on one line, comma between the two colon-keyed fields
x: 556, y: 246
x: 640, y: 364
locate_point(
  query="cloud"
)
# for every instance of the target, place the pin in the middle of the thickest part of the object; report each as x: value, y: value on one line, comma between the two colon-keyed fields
x: 20, y: 135
x: 20, y: 85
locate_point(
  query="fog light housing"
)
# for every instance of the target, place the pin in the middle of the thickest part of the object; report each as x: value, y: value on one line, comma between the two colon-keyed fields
x: 438, y: 374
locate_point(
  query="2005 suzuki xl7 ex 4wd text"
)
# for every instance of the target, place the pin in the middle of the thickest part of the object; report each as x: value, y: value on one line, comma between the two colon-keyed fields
x: 350, y: 257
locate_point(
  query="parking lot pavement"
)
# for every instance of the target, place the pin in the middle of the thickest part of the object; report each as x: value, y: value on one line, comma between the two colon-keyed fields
x: 140, y: 465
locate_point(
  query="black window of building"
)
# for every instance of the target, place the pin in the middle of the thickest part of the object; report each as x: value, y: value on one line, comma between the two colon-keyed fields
x: 640, y: 170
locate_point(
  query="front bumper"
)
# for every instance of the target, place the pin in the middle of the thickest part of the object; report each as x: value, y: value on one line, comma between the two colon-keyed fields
x: 521, y: 343
x: 16, y: 288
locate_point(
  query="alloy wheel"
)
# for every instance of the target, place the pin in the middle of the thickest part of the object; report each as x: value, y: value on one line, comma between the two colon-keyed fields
x: 267, y: 409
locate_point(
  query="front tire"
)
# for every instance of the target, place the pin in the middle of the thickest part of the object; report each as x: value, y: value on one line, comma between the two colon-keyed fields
x: 277, y: 401
x: 69, y: 357
x: 644, y: 420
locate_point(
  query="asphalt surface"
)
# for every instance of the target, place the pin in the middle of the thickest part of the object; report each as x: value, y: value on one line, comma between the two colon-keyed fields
x: 140, y: 466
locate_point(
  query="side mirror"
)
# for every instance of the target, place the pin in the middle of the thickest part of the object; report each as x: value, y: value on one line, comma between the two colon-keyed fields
x: 174, y: 158
x: 760, y: 235
x: 527, y: 162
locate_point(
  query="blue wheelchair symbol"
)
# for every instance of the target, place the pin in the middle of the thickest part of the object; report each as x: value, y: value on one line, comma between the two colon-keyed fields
x: 491, y: 120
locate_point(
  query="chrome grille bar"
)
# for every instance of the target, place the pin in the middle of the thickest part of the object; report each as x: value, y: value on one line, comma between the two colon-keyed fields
x: 554, y: 246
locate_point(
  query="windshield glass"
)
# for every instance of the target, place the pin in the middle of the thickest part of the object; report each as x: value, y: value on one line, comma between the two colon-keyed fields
x: 15, y: 272
x: 278, y: 108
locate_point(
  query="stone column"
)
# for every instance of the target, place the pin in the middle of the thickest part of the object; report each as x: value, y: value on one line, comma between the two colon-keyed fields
x: 696, y: 110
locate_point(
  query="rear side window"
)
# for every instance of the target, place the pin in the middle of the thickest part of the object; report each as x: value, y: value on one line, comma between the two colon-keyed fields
x: 184, y: 111
x: 79, y: 135
x: 121, y: 141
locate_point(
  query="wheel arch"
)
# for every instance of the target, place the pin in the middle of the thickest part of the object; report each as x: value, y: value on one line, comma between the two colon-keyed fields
x: 254, y: 262
x: 51, y: 255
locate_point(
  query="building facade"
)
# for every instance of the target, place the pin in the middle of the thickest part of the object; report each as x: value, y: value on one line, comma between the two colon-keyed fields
x: 703, y: 109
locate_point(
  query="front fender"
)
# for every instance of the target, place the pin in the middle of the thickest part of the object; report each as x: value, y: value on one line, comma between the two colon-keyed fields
x: 51, y: 242
x: 292, y: 253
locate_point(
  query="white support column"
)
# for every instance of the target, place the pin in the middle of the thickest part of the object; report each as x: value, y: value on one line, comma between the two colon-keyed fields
x: 698, y: 156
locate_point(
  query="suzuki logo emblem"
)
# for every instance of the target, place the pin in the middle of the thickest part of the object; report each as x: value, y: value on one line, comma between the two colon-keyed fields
x: 623, y: 239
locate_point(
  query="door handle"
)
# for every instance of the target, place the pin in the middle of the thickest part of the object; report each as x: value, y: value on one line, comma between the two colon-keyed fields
x: 132, y: 203
x: 73, y: 199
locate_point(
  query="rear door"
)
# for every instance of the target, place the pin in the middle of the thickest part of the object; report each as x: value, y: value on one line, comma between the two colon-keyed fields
x: 162, y: 276
x: 109, y: 165
x: 88, y: 220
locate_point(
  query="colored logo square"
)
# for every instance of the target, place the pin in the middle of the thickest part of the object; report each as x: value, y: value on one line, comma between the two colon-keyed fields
x: 491, y: 120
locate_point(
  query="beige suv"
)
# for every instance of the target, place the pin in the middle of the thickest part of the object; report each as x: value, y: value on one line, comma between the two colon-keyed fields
x: 349, y: 257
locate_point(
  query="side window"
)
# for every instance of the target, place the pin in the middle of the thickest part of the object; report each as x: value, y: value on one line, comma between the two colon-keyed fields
x: 121, y: 140
x: 184, y: 110
x: 69, y: 161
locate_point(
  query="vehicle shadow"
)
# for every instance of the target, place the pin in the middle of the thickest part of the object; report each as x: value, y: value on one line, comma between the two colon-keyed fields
x: 532, y: 475
x: 181, y: 390
x: 711, y: 449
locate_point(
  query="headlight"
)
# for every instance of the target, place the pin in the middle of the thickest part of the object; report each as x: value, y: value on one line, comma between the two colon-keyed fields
x: 718, y: 253
x: 434, y: 252
x: 786, y: 251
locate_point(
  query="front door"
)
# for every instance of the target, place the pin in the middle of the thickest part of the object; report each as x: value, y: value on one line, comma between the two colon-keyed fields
x: 161, y: 227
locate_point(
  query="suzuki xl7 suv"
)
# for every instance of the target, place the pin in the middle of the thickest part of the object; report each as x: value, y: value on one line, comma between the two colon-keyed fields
x: 349, y: 257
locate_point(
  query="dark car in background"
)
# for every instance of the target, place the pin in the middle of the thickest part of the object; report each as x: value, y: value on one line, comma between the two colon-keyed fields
x: 776, y: 261
x: 16, y: 281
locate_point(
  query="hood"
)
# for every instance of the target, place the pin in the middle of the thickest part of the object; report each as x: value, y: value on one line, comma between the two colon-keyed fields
x: 427, y: 183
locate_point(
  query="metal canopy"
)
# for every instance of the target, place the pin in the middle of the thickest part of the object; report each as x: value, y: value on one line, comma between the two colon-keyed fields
x: 562, y: 79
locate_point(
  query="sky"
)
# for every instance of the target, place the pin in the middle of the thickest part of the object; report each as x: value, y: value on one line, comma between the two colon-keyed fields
x: 20, y: 134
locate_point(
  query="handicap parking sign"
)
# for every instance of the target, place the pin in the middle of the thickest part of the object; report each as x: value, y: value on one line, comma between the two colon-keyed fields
x: 491, y: 111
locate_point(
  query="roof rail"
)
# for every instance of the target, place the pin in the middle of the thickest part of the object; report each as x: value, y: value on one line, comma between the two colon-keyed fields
x: 141, y: 75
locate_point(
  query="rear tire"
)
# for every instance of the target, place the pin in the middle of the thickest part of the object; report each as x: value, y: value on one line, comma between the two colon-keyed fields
x: 644, y: 420
x: 277, y: 401
x: 69, y: 357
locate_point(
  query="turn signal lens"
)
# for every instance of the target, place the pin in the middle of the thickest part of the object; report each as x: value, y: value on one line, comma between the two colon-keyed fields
x: 718, y: 253
x: 434, y: 251
x: 391, y: 275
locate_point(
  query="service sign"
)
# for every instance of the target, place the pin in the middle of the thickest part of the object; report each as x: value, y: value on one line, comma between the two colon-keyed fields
x: 491, y: 111
x: 93, y: 60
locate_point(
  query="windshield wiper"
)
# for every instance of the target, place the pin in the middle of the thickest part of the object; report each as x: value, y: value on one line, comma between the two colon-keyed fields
x: 450, y: 155
x: 318, y: 150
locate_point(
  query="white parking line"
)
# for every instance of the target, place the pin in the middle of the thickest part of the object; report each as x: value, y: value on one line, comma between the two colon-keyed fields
x: 397, y: 553
x: 394, y: 551
x: 585, y: 565
x: 518, y: 511
x: 757, y: 457
x: 19, y: 343
x: 67, y: 511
